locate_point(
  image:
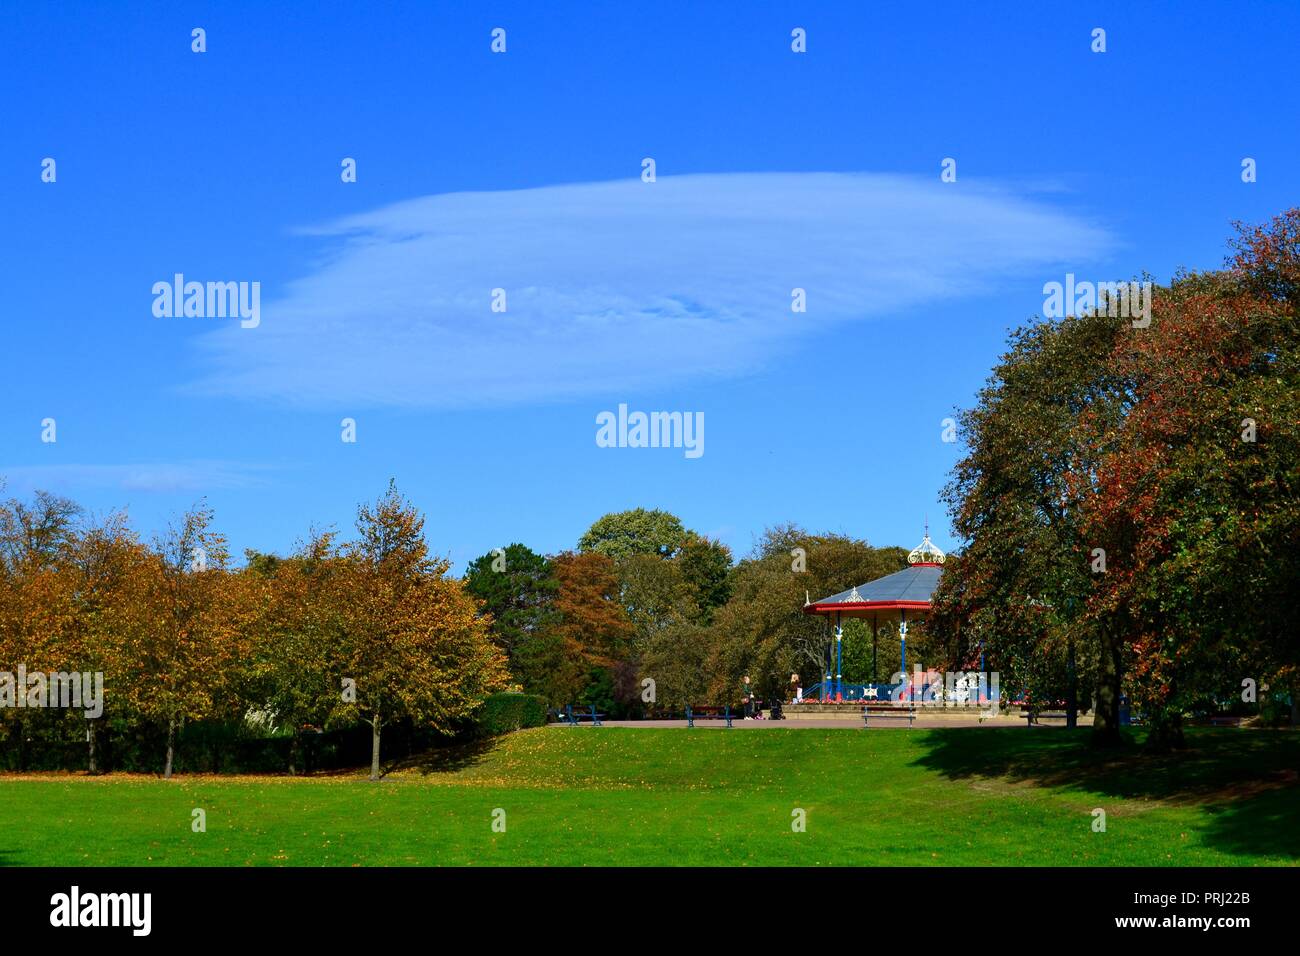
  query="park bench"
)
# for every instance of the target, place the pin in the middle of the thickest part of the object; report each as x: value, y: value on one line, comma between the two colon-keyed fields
x: 886, y: 711
x: 708, y: 712
x: 1225, y: 720
x: 1033, y: 718
x: 1128, y: 717
x: 574, y: 717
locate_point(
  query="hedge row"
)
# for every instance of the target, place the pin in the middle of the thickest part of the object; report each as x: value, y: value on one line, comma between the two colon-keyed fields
x: 504, y: 713
x: 53, y: 740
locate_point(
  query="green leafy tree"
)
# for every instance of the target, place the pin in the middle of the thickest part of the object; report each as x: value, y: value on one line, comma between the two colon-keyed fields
x: 1196, y: 485
x: 517, y: 587
x: 655, y: 594
x: 762, y: 631
x: 638, y: 531
x: 299, y: 635
x: 676, y: 657
x: 1125, y: 490
x: 1027, y: 566
x: 705, y: 568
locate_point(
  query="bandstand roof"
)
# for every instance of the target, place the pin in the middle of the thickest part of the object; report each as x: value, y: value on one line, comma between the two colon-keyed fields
x: 906, y: 590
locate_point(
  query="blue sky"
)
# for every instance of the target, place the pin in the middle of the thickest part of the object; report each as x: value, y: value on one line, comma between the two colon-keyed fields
x: 522, y: 171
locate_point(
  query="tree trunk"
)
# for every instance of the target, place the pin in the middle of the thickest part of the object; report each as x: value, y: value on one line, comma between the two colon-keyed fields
x: 294, y: 742
x: 1166, y: 732
x: 1166, y: 727
x: 171, y: 748
x: 93, y: 764
x: 374, y: 749
x: 1105, y: 722
x: 1295, y: 706
x: 1072, y: 701
x: 22, y: 742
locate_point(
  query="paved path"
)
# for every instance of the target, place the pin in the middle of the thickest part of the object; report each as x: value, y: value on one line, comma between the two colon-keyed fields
x: 922, y: 722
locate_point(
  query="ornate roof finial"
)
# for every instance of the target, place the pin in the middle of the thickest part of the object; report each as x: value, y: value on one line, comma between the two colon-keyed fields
x: 925, y: 552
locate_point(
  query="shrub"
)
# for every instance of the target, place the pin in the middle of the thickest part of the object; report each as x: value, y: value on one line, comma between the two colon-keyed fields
x: 502, y: 713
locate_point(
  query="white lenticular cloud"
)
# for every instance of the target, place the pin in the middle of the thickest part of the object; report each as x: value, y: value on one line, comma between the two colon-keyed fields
x: 617, y: 285
x: 158, y: 477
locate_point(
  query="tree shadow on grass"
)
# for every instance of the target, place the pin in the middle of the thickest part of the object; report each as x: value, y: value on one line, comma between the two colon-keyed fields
x: 1248, y: 781
x: 1266, y: 822
x: 450, y: 759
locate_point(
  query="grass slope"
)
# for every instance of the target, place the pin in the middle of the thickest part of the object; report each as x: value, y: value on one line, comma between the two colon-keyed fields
x: 676, y: 797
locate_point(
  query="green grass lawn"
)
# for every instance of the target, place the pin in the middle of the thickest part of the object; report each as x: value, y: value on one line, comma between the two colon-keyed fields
x: 619, y: 796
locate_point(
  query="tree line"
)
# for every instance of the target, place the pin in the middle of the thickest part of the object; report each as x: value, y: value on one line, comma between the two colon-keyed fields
x: 374, y: 632
x: 370, y: 631
x: 1127, y: 503
x: 646, y: 616
x: 1129, y: 499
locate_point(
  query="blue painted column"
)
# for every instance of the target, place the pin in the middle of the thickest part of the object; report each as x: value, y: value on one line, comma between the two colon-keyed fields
x: 902, y: 639
x: 839, y: 640
x: 826, y: 685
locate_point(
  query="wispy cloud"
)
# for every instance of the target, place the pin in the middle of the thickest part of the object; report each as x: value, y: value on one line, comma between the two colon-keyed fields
x: 190, y: 476
x: 616, y: 285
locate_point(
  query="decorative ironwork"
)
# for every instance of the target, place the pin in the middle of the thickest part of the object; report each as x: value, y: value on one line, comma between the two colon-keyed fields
x: 925, y: 552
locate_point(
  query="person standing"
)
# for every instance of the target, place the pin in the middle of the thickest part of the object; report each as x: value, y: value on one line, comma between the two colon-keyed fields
x: 748, y: 698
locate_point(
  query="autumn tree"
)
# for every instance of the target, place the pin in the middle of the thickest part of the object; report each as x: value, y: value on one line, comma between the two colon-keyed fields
x: 295, y: 670
x: 36, y: 533
x: 663, y: 587
x: 181, y: 655
x: 1198, y: 484
x: 592, y: 631
x: 104, y: 558
x: 1126, y: 489
x: 1028, y: 566
x: 413, y: 644
x: 36, y: 601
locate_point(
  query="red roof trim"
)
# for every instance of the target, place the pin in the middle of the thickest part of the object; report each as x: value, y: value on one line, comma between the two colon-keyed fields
x: 867, y: 606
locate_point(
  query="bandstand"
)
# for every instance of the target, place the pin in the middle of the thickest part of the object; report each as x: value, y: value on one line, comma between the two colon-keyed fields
x: 901, y: 597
